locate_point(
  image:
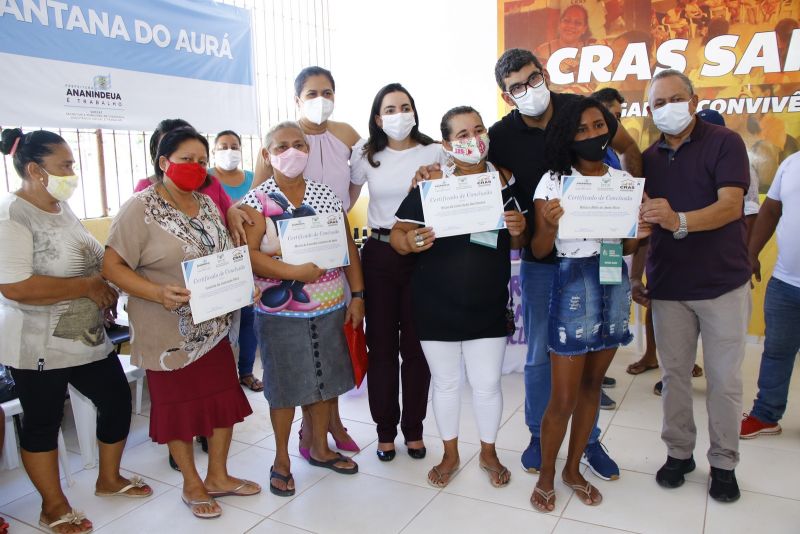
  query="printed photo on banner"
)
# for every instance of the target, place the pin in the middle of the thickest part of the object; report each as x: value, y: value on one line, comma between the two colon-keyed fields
x: 743, y: 58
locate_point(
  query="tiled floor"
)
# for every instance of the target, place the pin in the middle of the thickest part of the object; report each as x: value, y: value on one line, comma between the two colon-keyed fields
x: 394, y: 497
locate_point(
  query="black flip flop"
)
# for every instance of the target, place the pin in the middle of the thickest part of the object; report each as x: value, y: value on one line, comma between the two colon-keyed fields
x: 331, y: 464
x: 283, y: 478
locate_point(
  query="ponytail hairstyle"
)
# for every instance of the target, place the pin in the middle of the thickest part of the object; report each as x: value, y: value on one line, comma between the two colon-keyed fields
x: 29, y: 147
x: 378, y: 140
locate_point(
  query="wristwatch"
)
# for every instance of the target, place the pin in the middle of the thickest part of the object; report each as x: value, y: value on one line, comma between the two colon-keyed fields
x: 682, y: 231
x: 357, y: 294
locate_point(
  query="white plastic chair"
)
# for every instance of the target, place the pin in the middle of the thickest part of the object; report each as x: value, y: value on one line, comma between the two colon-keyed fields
x: 10, y: 458
x: 85, y: 412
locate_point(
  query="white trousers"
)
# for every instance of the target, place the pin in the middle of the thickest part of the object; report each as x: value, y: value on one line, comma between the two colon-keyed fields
x: 483, y: 359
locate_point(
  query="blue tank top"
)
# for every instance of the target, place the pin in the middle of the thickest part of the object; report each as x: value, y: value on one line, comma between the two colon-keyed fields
x: 236, y: 192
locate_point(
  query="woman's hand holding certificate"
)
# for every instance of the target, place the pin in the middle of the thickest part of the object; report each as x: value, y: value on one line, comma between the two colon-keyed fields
x: 317, y: 239
x: 218, y: 283
x: 600, y: 207
x: 463, y: 204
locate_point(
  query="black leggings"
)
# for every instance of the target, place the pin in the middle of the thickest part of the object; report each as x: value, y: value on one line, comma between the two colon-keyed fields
x: 42, y: 394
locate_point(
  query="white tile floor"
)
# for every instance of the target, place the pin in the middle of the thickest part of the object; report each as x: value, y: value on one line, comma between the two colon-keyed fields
x: 394, y: 497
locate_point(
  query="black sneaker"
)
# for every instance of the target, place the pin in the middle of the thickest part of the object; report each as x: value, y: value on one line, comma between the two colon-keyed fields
x: 723, y: 485
x: 606, y: 402
x: 203, y: 441
x: 609, y: 382
x: 671, y: 473
x: 658, y: 388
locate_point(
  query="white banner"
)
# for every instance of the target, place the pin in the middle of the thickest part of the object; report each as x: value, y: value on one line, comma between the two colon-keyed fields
x: 127, y: 65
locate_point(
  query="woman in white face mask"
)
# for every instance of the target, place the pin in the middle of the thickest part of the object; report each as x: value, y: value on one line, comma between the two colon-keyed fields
x: 237, y: 182
x: 227, y: 165
x: 459, y: 293
x: 386, y: 162
x: 330, y: 142
x: 52, y: 311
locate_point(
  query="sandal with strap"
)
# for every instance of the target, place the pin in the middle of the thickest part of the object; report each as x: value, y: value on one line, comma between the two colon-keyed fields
x: 73, y: 517
x: 331, y: 464
x: 135, y: 482
x: 251, y: 382
x: 202, y: 515
x: 237, y: 491
x: 547, y: 495
x: 637, y: 367
x: 586, y: 490
x: 500, y: 473
x: 439, y: 481
x: 275, y: 490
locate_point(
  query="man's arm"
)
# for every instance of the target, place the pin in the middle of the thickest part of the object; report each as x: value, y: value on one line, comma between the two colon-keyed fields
x: 626, y: 147
x: 725, y: 210
x: 766, y: 222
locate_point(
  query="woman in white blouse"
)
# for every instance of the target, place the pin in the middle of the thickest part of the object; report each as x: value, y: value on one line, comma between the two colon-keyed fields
x: 386, y: 162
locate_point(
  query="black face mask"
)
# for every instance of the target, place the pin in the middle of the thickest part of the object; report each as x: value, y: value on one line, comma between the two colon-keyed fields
x: 592, y: 149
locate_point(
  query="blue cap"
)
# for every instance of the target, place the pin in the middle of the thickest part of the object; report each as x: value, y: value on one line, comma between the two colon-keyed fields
x: 714, y: 117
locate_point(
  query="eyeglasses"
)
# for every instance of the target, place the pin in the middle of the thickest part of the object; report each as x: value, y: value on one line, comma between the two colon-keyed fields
x: 518, y: 90
x: 205, y: 237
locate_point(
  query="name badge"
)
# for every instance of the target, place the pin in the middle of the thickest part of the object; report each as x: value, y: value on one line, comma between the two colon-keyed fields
x: 610, y: 263
x: 486, y: 239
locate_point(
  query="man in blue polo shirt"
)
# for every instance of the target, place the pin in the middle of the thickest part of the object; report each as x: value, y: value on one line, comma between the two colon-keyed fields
x: 698, y: 275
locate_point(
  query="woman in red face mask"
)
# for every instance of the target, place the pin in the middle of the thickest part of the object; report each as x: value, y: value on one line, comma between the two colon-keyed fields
x: 191, y: 371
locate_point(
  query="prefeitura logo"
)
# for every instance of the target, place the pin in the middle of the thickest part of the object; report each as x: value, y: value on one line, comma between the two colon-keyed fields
x: 97, y: 95
x: 102, y: 81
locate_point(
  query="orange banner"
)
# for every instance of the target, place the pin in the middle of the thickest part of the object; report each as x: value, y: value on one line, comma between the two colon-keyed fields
x: 743, y: 57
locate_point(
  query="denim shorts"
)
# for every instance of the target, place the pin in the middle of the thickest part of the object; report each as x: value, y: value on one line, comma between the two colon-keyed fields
x: 586, y: 316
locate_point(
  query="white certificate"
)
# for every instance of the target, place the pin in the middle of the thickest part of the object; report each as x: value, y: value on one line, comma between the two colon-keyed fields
x: 220, y: 283
x: 317, y: 239
x: 463, y: 204
x: 600, y: 207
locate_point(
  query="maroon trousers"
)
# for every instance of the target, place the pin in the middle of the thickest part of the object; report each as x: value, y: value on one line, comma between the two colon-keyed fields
x: 389, y: 331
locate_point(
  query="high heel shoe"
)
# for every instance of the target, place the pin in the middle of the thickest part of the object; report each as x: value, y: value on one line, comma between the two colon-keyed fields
x: 417, y: 454
x: 385, y: 456
x: 304, y: 451
x: 349, y: 445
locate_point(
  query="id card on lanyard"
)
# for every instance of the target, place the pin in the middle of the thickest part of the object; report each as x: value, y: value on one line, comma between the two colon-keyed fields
x: 610, y: 263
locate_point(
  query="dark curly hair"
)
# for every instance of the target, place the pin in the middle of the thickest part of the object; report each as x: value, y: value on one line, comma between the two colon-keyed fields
x: 562, y: 131
x: 378, y: 140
